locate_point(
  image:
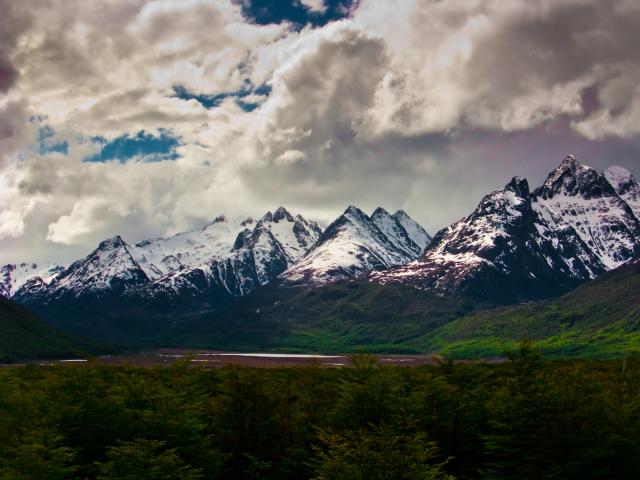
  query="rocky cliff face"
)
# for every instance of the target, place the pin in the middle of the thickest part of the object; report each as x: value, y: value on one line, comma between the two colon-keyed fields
x: 520, y: 245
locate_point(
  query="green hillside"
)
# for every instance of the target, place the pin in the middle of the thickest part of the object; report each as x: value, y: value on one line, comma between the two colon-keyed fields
x: 600, y: 318
x: 342, y: 317
x: 25, y: 336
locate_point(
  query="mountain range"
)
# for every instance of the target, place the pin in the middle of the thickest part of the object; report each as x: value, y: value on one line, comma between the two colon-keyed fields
x: 525, y: 245
x: 517, y: 245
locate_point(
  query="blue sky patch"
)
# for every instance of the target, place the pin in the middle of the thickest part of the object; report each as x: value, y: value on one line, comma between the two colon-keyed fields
x: 212, y: 101
x: 264, y: 12
x: 47, y: 144
x: 151, y: 148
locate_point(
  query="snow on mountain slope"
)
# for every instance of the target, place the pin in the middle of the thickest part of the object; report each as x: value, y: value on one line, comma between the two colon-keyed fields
x: 216, y: 241
x: 414, y: 230
x: 396, y: 233
x: 584, y: 199
x: 190, y: 249
x: 233, y: 256
x: 14, y: 276
x: 226, y: 257
x: 503, y: 250
x: 256, y: 258
x: 353, y: 245
x: 626, y: 186
x: 295, y: 234
x: 111, y: 266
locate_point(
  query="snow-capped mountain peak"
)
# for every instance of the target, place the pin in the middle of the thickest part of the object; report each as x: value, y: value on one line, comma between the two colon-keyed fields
x: 395, y: 232
x: 190, y: 249
x: 498, y: 252
x: 110, y: 267
x: 579, y: 196
x: 518, y: 185
x: 14, y: 276
x: 353, y: 245
x: 295, y: 234
x: 282, y: 214
x: 112, y: 243
x: 573, y: 178
x: 232, y: 255
x: 355, y: 213
x: 518, y: 244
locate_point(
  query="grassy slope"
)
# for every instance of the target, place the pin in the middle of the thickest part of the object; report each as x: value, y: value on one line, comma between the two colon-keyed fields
x: 343, y: 317
x: 25, y: 336
x: 600, y: 318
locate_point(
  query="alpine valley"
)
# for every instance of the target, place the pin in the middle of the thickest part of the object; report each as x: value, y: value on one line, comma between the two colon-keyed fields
x: 378, y: 281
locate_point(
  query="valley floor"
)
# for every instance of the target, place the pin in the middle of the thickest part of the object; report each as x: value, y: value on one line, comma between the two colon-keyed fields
x: 220, y: 359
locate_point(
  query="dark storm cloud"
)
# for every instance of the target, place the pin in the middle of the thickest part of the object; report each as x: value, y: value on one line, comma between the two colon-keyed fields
x: 15, y: 21
x: 539, y: 48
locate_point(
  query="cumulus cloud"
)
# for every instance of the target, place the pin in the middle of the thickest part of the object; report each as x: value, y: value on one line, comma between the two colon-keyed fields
x: 422, y: 105
x: 491, y: 64
x: 314, y: 5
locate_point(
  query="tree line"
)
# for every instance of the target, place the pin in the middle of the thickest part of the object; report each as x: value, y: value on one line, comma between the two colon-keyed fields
x: 527, y: 418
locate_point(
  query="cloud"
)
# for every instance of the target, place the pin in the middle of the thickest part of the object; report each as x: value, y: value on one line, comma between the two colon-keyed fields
x: 16, y: 129
x: 15, y: 22
x: 422, y: 105
x: 494, y: 65
x: 314, y: 5
x: 319, y: 95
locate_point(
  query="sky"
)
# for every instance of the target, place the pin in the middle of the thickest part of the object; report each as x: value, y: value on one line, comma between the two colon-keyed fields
x: 145, y: 118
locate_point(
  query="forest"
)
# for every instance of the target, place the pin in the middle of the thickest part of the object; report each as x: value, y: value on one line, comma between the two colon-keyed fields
x: 525, y: 418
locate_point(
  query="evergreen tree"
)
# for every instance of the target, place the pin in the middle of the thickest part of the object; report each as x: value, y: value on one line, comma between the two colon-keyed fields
x: 145, y: 460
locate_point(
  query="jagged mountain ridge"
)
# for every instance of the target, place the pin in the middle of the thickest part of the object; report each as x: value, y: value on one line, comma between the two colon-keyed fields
x: 354, y: 244
x: 517, y: 245
x: 14, y: 276
x: 230, y: 256
x: 586, y: 200
x: 522, y: 245
x: 121, y: 290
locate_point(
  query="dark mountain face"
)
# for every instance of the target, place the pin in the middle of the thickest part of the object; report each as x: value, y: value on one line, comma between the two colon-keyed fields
x: 519, y: 245
x: 25, y: 336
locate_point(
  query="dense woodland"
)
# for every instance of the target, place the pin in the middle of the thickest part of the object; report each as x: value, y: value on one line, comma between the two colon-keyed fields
x: 527, y: 418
